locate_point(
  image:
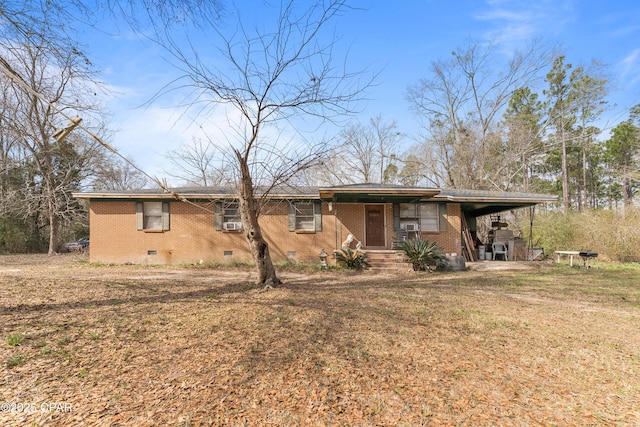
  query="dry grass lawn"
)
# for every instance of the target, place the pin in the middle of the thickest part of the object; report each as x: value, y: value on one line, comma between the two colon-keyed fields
x: 87, y: 345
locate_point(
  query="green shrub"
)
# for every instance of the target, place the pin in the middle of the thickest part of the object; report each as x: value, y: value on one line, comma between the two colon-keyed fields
x: 353, y: 260
x: 615, y: 235
x: 424, y: 254
x: 14, y: 339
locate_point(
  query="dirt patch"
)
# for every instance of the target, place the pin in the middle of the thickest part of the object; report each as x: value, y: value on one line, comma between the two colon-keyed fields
x: 506, y: 265
x: 146, y: 346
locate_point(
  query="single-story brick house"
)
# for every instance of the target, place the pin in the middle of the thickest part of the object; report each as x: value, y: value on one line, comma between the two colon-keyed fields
x: 152, y: 226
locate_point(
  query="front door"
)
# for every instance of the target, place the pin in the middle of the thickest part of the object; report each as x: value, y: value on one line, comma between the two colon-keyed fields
x: 374, y: 217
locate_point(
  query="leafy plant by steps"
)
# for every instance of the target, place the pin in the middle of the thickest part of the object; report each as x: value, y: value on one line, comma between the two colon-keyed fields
x: 423, y: 254
x: 353, y: 260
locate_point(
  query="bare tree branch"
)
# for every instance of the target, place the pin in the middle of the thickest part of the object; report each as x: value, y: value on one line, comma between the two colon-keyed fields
x: 270, y: 76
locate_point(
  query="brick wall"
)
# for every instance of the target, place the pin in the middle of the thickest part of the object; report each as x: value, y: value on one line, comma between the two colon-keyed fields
x: 192, y: 236
x: 451, y: 239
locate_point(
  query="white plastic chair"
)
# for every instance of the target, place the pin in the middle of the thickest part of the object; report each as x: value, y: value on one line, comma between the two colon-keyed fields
x: 499, y: 248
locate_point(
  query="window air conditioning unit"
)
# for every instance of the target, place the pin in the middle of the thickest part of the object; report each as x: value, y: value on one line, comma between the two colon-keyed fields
x: 232, y: 226
x: 411, y: 227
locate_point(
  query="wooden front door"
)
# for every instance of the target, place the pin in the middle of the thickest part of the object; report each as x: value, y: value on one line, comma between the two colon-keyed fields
x: 374, y: 217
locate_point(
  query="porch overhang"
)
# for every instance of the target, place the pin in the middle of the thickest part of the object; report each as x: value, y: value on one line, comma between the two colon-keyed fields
x: 477, y: 203
x: 376, y: 193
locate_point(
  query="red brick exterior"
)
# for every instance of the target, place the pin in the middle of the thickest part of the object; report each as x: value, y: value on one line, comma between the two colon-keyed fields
x: 451, y: 238
x: 192, y: 237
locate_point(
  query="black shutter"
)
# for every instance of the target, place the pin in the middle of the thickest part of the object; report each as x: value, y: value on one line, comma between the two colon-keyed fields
x: 317, y: 215
x: 396, y: 216
x: 139, y: 216
x: 165, y: 216
x: 442, y: 212
x: 292, y: 216
x: 218, y: 215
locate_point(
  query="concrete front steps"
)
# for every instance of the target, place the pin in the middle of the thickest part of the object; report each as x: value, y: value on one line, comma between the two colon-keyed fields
x: 387, y: 260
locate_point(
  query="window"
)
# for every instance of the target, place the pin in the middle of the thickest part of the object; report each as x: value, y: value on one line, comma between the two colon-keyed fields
x: 227, y: 216
x: 231, y: 219
x: 414, y: 217
x: 429, y: 217
x: 152, y: 216
x: 231, y: 213
x: 409, y: 219
x: 305, y: 216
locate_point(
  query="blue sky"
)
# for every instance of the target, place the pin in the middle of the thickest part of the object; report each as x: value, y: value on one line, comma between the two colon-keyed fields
x: 401, y: 39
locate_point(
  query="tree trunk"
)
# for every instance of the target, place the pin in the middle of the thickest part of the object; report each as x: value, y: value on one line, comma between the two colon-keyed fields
x: 53, y: 227
x: 566, y: 199
x: 52, y: 205
x: 249, y: 213
x: 627, y: 191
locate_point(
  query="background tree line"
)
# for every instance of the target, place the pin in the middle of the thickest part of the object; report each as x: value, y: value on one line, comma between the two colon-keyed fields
x: 533, y: 124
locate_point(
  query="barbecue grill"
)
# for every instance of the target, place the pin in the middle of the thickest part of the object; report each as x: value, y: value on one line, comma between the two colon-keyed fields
x: 587, y: 256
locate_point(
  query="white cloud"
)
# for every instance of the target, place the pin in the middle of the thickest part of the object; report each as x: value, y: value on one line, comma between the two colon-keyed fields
x: 515, y: 21
x: 630, y: 68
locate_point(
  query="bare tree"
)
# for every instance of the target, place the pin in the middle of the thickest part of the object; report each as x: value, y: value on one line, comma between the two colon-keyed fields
x: 56, y: 166
x: 112, y: 173
x: 200, y: 163
x: 271, y: 76
x: 419, y: 167
x: 387, y: 137
x: 358, y: 155
x: 364, y: 153
x: 27, y: 21
x: 157, y: 16
x: 461, y: 104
